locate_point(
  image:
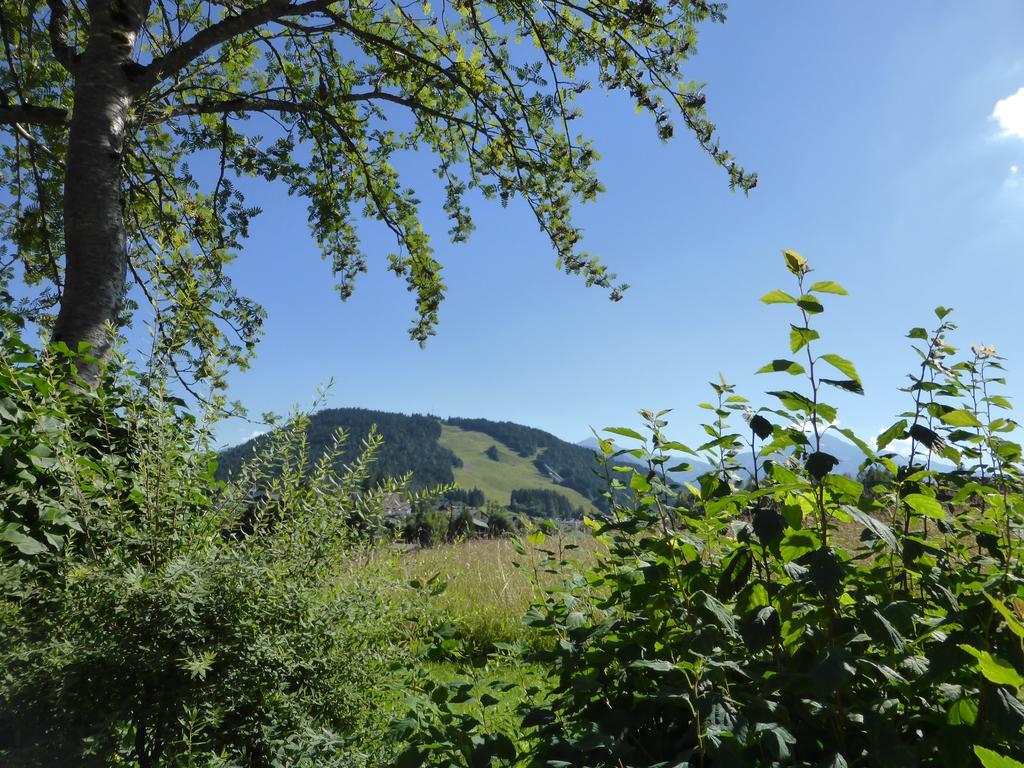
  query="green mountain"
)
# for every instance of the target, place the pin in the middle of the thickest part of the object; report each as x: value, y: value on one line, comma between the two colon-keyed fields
x: 498, y: 458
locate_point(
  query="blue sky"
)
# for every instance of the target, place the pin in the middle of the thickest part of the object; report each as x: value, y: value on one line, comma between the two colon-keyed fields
x: 872, y: 128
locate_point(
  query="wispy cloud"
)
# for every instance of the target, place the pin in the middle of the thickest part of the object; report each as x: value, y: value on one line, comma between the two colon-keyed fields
x: 1013, y: 178
x: 1010, y: 114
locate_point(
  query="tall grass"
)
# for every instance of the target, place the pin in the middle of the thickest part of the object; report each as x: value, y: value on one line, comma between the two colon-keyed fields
x: 490, y: 585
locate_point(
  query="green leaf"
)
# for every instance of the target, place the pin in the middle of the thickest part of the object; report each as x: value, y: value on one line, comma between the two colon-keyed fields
x: 896, y: 432
x: 960, y: 418
x: 717, y: 612
x: 655, y: 665
x: 995, y: 670
x: 776, y: 740
x: 795, y: 263
x: 798, y: 544
x: 639, y: 483
x: 848, y: 385
x: 810, y: 304
x: 963, y: 712
x: 850, y: 435
x: 801, y: 337
x: 827, y: 286
x: 931, y: 440
x: 842, y: 365
x: 917, y: 333
x: 793, y: 401
x: 1011, y: 621
x: 24, y: 544
x: 925, y: 505
x: 878, y: 528
x: 736, y: 573
x: 778, y: 297
x: 991, y: 759
x: 781, y: 366
x: 625, y: 432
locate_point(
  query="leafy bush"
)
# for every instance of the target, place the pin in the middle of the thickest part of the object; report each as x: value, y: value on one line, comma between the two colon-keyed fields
x: 153, y: 616
x: 790, y: 616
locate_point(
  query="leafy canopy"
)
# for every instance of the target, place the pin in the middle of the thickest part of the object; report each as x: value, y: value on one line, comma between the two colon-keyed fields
x: 324, y: 97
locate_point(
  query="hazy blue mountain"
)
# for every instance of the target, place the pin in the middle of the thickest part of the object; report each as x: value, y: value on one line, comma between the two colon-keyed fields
x: 849, y: 455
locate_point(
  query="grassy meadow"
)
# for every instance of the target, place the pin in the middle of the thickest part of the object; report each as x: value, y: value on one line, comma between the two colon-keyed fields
x: 490, y: 585
x: 497, y: 479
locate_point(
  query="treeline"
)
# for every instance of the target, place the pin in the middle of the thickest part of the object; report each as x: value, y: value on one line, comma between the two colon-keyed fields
x: 574, y: 464
x: 428, y: 524
x: 470, y: 497
x: 410, y: 445
x: 542, y: 503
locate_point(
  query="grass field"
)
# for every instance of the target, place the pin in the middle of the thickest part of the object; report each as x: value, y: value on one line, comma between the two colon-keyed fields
x: 487, y: 593
x: 497, y: 479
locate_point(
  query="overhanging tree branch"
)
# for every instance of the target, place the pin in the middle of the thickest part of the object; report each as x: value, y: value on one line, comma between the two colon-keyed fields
x: 58, y: 29
x: 255, y: 104
x: 28, y: 114
x: 227, y: 28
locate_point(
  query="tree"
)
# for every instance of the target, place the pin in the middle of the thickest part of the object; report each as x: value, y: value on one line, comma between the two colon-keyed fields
x: 492, y: 453
x: 105, y: 102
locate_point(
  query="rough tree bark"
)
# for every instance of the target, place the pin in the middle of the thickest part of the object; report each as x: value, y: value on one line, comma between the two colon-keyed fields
x: 95, y: 240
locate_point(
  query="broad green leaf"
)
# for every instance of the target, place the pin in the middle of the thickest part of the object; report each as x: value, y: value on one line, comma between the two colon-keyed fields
x: 25, y: 544
x: 1011, y: 620
x: 625, y: 432
x: 850, y: 435
x: 827, y: 286
x: 842, y: 365
x: 735, y: 574
x: 960, y: 418
x: 878, y: 528
x: 781, y: 366
x: 962, y: 712
x: 810, y: 304
x: 925, y: 505
x: 639, y: 483
x: 848, y: 385
x: 655, y: 665
x: 795, y: 263
x: 801, y: 337
x: 991, y: 759
x: 793, y: 401
x: 999, y: 401
x: 797, y: 544
x: 995, y: 670
x: 778, y: 297
x: 896, y: 432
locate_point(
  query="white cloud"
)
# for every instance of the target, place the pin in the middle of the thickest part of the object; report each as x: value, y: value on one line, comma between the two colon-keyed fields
x: 1010, y: 114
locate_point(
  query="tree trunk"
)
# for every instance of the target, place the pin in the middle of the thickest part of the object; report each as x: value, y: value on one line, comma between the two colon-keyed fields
x: 95, y: 242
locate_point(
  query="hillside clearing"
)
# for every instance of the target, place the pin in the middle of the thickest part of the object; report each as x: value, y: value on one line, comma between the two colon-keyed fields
x: 497, y: 479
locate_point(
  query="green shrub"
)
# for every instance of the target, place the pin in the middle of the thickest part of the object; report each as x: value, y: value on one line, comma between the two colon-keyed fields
x: 753, y: 628
x: 151, y: 615
x: 775, y: 613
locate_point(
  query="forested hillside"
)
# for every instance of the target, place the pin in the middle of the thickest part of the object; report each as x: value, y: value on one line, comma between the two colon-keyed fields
x: 410, y: 445
x: 413, y: 443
